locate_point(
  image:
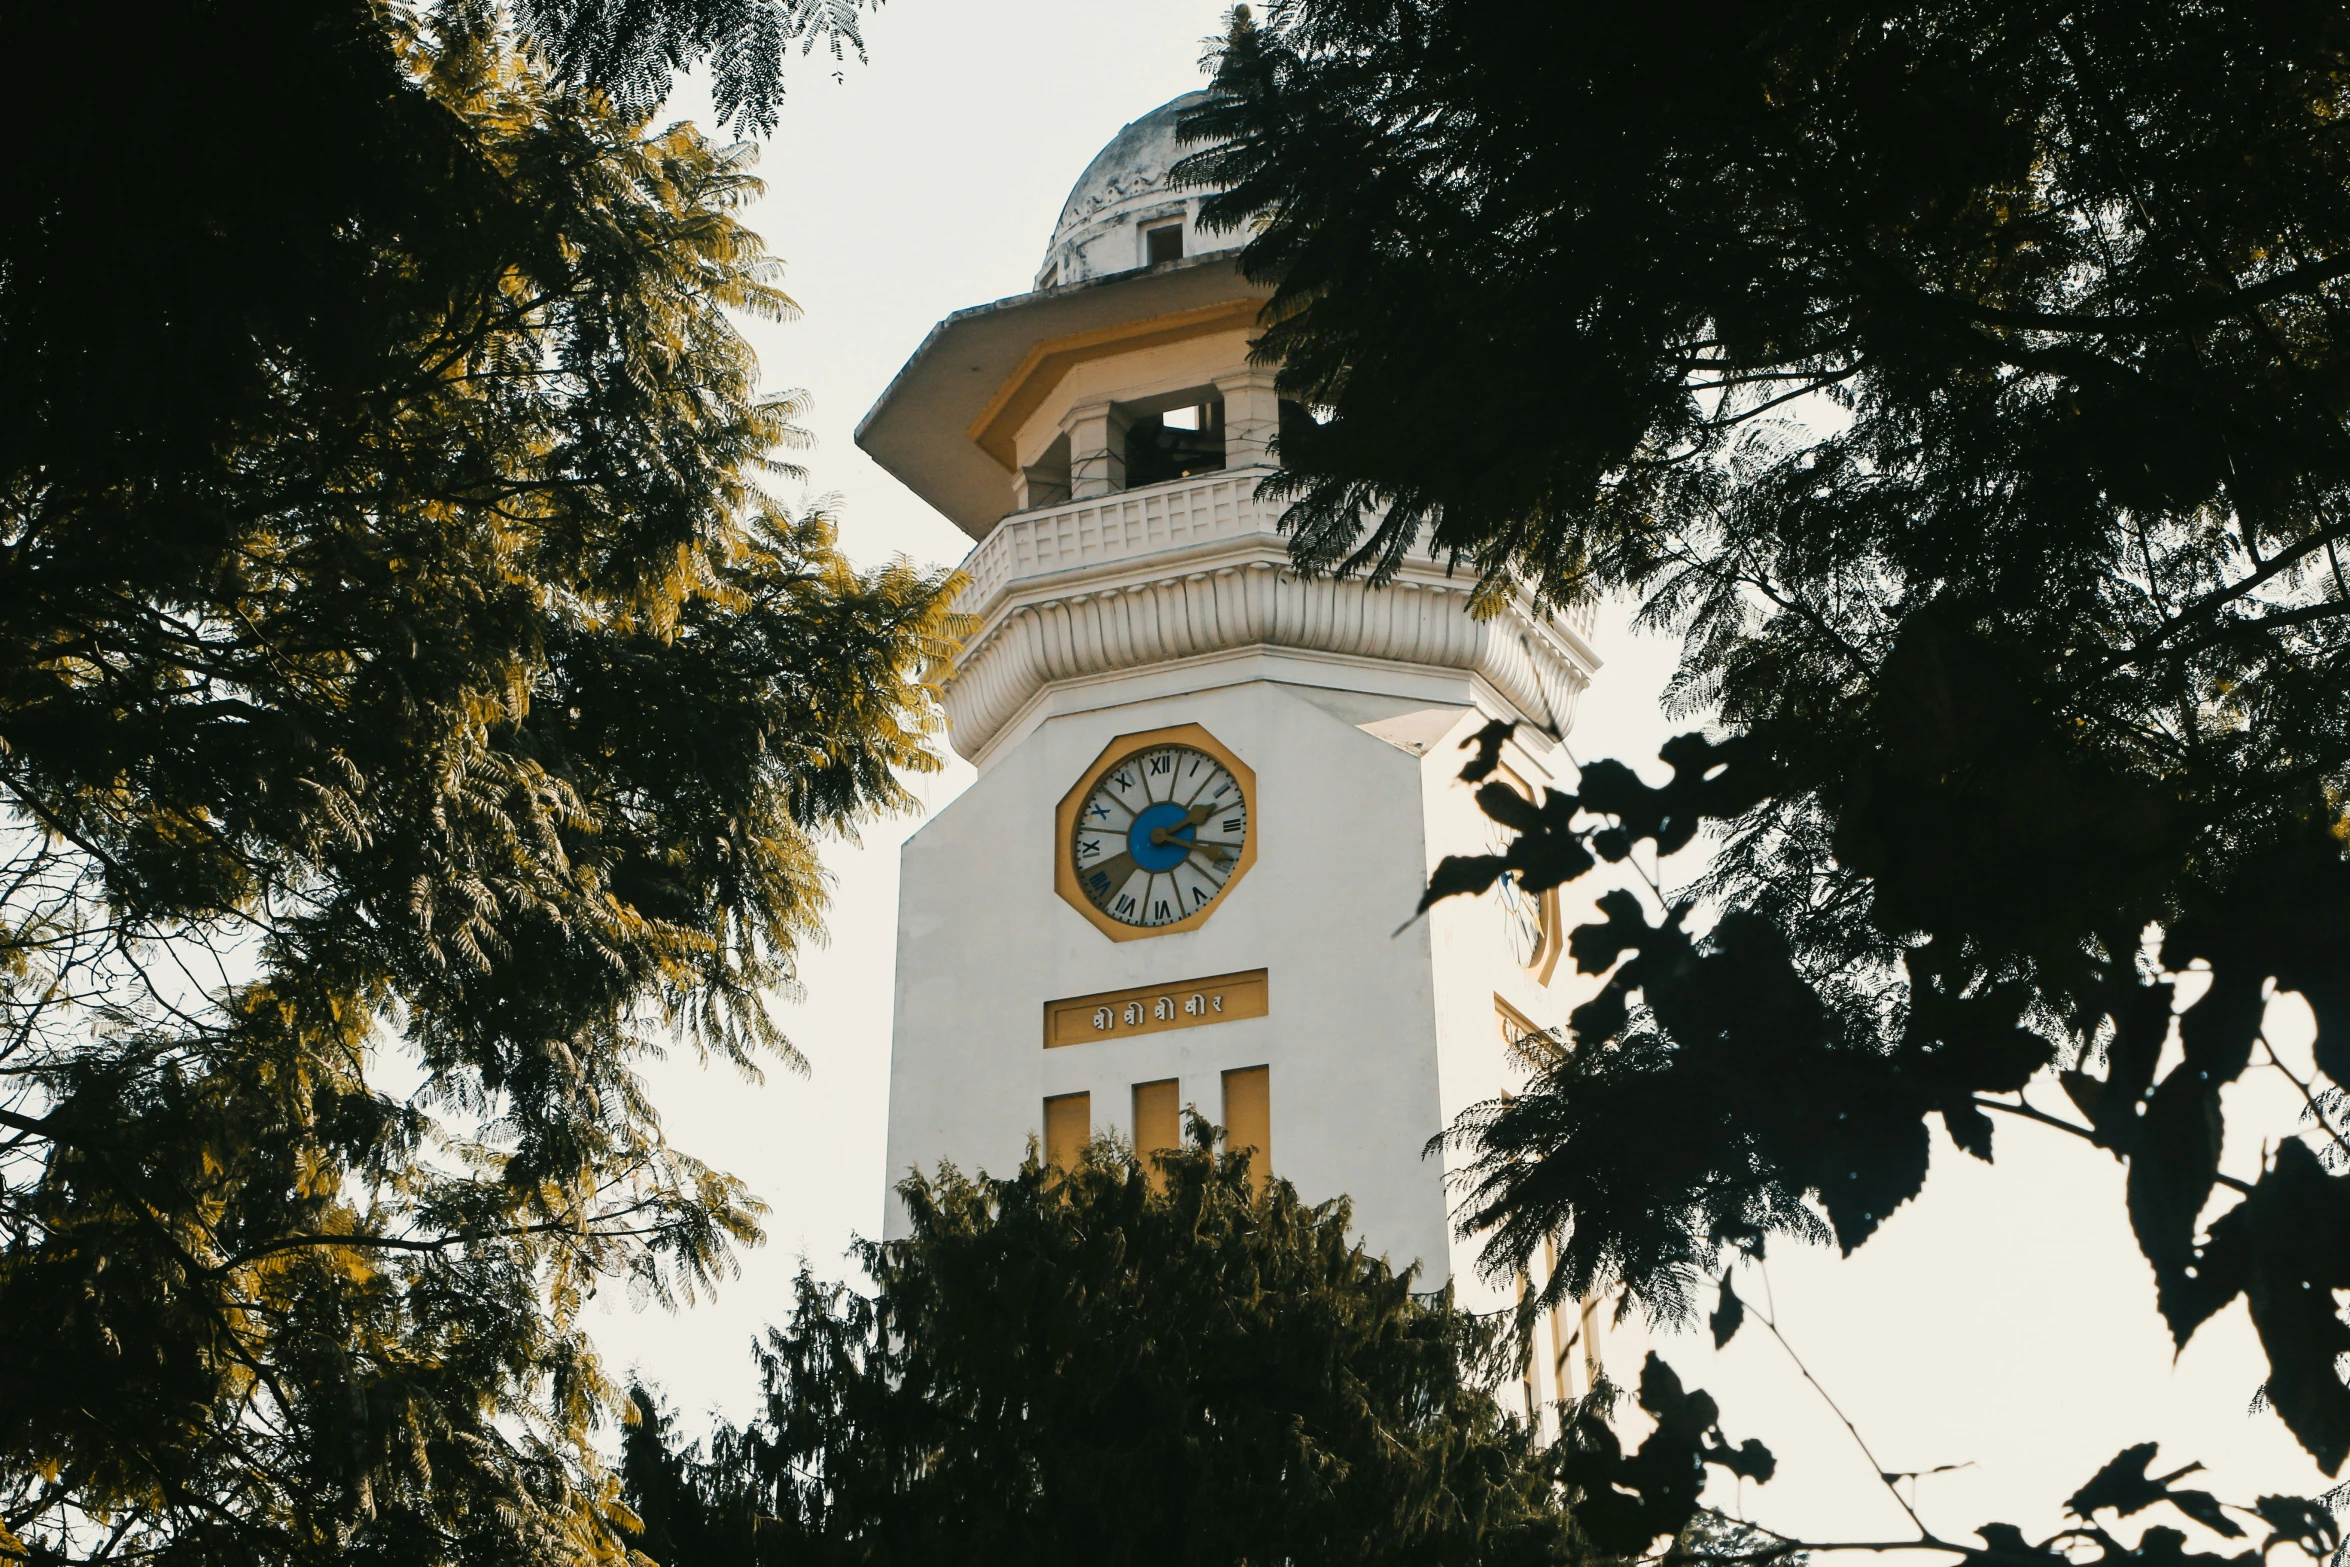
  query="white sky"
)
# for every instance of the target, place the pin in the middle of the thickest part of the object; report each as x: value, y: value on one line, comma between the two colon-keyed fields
x: 2004, y: 1321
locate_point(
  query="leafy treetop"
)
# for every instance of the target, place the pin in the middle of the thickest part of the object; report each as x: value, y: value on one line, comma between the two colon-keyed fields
x: 1178, y: 1364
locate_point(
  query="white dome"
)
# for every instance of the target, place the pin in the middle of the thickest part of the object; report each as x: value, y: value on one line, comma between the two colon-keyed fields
x: 1123, y: 192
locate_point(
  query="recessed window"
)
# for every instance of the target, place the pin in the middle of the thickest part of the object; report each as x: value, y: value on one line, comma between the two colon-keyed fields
x: 1162, y: 242
x: 1068, y: 1122
x: 1248, y: 1119
x: 1158, y: 1126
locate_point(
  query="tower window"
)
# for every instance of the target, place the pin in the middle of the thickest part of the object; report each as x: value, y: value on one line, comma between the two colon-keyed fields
x: 1068, y: 1122
x: 1157, y: 1128
x: 1248, y: 1118
x: 1162, y: 242
x: 1175, y: 444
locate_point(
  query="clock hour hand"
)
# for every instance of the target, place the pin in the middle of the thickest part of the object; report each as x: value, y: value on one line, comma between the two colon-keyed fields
x: 1191, y: 818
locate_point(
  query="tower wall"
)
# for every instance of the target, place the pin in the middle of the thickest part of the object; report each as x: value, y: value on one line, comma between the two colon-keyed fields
x: 985, y: 942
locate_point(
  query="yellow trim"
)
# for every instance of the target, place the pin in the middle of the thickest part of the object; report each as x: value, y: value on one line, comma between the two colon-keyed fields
x: 1530, y: 1044
x: 1552, y: 941
x: 1033, y: 379
x: 1154, y: 1009
x: 1118, y: 750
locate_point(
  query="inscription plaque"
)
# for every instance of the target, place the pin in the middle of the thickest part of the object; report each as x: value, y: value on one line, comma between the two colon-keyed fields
x: 1152, y: 1009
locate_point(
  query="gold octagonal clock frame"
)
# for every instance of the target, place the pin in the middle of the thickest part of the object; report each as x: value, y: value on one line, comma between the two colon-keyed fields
x: 1118, y: 751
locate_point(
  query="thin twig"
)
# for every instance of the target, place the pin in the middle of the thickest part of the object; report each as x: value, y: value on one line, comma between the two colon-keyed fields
x: 2316, y: 1112
x: 2033, y: 1113
x: 1878, y: 1469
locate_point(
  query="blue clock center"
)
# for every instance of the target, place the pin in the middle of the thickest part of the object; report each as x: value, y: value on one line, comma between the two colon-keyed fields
x: 1160, y: 856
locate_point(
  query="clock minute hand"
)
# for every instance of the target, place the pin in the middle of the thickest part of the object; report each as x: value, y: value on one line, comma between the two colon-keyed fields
x: 1213, y: 851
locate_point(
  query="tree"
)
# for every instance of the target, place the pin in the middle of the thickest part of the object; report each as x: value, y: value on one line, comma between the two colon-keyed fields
x: 1179, y: 1365
x: 413, y: 714
x: 1966, y: 382
x: 632, y: 49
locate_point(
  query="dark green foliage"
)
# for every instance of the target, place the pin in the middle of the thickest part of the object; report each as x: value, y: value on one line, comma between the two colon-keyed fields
x: 412, y: 716
x: 1623, y: 1502
x: 1964, y: 380
x: 631, y: 49
x: 2126, y: 1487
x: 1081, y: 1368
x: 2123, y: 1487
x: 691, y: 1509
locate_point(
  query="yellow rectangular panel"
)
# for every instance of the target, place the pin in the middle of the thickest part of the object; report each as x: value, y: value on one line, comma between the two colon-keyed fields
x: 1124, y: 1014
x: 1158, y: 1125
x: 1068, y: 1122
x: 1562, y: 1336
x: 1248, y: 1117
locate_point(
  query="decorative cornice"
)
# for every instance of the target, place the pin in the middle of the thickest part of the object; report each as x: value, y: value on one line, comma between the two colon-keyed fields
x: 1199, y: 567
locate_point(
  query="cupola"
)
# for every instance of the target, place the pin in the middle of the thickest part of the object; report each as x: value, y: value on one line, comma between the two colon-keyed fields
x: 1127, y: 366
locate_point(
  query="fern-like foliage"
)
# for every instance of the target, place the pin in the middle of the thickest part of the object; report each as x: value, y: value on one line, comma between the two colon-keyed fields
x: 632, y: 49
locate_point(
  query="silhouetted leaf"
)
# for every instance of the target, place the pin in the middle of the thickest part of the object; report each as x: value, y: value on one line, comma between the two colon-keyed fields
x: 2288, y: 1245
x: 1749, y: 1459
x: 2009, y: 1548
x: 1721, y: 781
x: 1461, y: 874
x: 2166, y: 1547
x: 1730, y: 1315
x: 1508, y: 807
x: 2297, y: 1521
x: 1547, y: 851
x: 1874, y: 1163
x: 1595, y: 948
x: 1968, y: 1127
x: 1487, y: 743
x: 2172, y: 1166
x: 2205, y: 1509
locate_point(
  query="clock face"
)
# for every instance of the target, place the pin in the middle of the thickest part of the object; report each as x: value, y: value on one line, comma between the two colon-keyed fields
x: 1159, y: 835
x: 1521, y: 921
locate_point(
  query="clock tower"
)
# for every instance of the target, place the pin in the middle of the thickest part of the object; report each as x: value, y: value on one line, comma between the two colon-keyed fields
x: 1210, y: 790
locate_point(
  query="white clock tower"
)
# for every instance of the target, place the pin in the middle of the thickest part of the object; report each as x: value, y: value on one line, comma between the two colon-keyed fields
x: 1209, y: 790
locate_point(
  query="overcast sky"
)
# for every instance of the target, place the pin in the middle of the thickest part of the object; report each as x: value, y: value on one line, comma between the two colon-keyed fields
x: 2004, y: 1322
